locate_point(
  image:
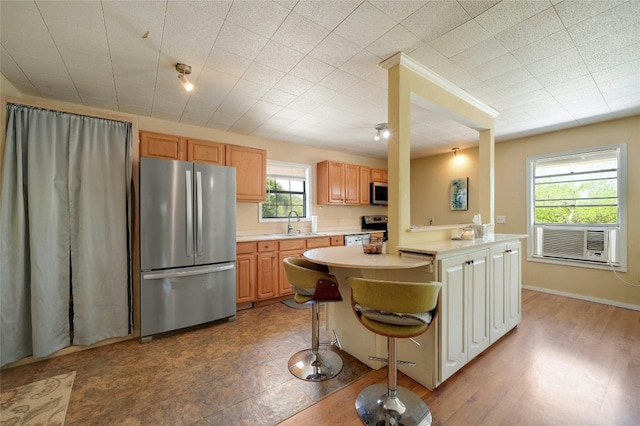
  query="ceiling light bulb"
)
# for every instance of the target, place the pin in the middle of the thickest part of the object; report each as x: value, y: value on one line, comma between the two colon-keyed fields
x: 183, y: 70
x: 185, y: 83
x: 382, y: 130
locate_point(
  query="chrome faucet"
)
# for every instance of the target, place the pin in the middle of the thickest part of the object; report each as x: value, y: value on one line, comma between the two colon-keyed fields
x: 289, y: 227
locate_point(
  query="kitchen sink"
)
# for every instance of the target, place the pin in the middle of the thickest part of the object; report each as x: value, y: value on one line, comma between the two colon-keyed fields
x: 300, y: 234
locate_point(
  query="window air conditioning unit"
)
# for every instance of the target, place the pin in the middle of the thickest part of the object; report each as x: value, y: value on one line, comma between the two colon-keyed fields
x: 586, y: 244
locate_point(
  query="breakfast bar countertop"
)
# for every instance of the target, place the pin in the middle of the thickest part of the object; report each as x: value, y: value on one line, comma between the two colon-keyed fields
x: 354, y: 257
x: 452, y: 246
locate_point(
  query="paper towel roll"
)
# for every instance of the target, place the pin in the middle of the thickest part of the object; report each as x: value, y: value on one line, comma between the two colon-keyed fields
x: 314, y: 224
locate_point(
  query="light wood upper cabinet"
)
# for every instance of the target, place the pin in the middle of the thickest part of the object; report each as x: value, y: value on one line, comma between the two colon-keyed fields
x: 251, y: 172
x: 365, y: 178
x: 250, y: 163
x: 352, y: 184
x: 379, y: 175
x: 337, y: 183
x: 205, y: 152
x: 163, y: 146
x: 330, y: 183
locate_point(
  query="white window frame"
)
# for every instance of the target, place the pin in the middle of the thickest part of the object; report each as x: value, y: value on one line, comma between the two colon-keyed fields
x: 308, y: 185
x: 622, y: 210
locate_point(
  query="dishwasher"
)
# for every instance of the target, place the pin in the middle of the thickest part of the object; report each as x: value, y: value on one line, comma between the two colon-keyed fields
x: 356, y: 239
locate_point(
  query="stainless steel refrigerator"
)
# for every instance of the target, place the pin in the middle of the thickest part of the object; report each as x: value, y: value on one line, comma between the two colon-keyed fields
x: 187, y: 244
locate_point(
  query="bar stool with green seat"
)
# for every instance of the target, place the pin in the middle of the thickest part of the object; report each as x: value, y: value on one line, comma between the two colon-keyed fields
x: 396, y: 310
x: 313, y: 284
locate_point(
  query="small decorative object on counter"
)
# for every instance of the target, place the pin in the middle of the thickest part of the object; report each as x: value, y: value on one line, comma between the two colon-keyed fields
x: 468, y: 234
x: 372, y: 246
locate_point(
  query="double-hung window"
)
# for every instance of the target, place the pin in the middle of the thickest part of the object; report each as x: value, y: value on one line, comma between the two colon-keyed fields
x: 287, y: 191
x: 577, y: 207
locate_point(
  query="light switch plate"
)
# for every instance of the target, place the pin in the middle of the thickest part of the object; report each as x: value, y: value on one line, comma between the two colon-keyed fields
x: 501, y: 219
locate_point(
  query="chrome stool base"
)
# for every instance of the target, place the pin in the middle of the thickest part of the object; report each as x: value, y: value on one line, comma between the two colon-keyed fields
x: 371, y: 403
x: 315, y: 366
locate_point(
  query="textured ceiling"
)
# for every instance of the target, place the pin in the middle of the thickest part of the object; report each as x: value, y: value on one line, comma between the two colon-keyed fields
x: 308, y: 71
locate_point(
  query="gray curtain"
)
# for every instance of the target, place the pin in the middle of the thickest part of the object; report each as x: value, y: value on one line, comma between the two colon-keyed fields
x: 65, y: 224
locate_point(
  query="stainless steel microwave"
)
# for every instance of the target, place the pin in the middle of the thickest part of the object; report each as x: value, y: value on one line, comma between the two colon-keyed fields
x: 378, y: 194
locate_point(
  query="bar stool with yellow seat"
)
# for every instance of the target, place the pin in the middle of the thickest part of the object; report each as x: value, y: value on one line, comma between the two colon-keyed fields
x: 396, y: 310
x: 313, y: 284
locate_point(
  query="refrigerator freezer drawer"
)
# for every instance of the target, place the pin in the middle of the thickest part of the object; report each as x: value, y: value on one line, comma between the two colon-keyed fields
x: 179, y: 298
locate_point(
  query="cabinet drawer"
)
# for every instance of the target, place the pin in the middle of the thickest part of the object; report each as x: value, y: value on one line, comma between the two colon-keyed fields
x: 267, y: 245
x: 297, y: 244
x: 337, y: 240
x: 318, y: 242
x: 246, y: 247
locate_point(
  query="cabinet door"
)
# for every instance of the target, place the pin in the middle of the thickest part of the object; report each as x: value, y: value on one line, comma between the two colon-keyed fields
x: 245, y: 278
x: 477, y: 283
x: 337, y: 240
x: 162, y: 146
x: 379, y: 175
x: 453, y: 350
x: 498, y: 297
x: 205, y: 152
x: 284, y: 287
x: 267, y: 275
x: 365, y: 179
x: 318, y: 242
x: 336, y: 181
x: 513, y: 285
x: 251, y: 172
x: 352, y: 184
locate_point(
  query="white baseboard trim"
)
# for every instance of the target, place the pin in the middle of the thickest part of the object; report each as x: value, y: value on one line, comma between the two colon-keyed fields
x: 582, y: 297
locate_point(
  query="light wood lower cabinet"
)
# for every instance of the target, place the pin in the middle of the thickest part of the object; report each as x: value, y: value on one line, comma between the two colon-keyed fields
x: 267, y: 259
x: 337, y: 240
x: 259, y: 271
x: 288, y: 248
x: 246, y: 271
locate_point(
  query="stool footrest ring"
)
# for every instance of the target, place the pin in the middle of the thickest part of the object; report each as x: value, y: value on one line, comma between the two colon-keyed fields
x: 376, y: 358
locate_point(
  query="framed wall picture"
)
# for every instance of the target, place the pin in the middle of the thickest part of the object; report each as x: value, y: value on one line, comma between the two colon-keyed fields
x: 459, y: 194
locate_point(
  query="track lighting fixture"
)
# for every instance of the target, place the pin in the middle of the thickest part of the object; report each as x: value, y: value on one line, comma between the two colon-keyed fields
x: 382, y: 130
x: 455, y: 151
x: 184, y: 70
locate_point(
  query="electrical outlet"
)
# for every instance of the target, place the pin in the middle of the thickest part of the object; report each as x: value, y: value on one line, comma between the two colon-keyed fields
x: 501, y: 219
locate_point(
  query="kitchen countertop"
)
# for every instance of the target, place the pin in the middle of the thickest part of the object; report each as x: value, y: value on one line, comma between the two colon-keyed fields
x: 284, y: 236
x: 452, y: 246
x: 354, y: 257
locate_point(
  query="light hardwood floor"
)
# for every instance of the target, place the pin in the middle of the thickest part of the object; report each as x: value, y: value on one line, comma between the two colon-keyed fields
x: 569, y: 362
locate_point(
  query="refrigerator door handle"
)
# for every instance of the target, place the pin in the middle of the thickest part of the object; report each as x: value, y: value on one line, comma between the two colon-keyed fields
x: 177, y: 274
x: 189, y: 207
x: 198, y: 213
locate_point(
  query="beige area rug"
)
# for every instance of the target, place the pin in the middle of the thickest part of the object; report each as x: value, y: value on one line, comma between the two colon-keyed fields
x: 39, y: 403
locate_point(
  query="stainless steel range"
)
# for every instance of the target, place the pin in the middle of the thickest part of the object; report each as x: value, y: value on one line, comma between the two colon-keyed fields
x: 377, y: 223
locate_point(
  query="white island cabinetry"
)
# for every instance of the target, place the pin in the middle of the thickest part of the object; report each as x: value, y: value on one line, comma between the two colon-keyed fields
x: 505, y: 289
x: 464, y: 320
